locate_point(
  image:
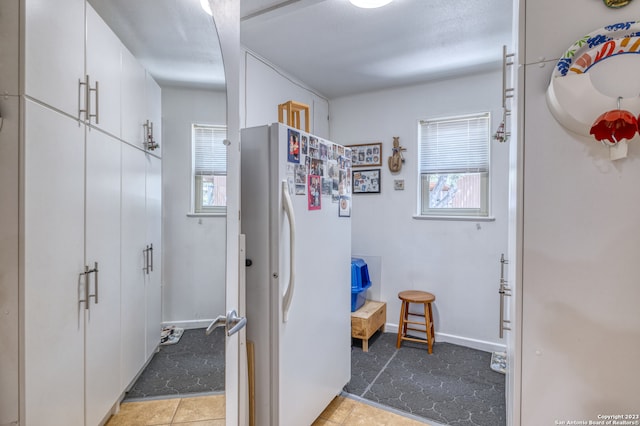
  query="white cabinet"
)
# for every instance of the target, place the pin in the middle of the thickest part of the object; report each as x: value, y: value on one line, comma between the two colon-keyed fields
x: 153, y: 218
x: 86, y: 81
x: 9, y: 32
x: 103, y: 68
x: 54, y: 52
x: 141, y: 268
x: 132, y: 246
x: 72, y: 222
x: 75, y: 199
x: 133, y: 99
x: 9, y: 193
x: 102, y: 223
x: 141, y: 106
x: 53, y: 260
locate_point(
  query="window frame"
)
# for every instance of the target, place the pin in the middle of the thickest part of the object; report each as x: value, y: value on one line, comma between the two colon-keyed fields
x: 197, y: 208
x: 423, y: 192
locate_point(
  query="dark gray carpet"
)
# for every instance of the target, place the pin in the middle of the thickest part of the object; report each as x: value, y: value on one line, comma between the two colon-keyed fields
x: 193, y: 365
x: 455, y: 385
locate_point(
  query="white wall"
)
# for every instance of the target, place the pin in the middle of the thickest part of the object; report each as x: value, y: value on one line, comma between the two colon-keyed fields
x: 458, y: 261
x: 266, y: 87
x: 581, y: 242
x: 193, y: 246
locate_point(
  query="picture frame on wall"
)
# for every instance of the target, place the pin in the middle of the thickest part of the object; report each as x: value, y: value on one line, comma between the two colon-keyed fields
x: 366, y: 181
x: 366, y: 155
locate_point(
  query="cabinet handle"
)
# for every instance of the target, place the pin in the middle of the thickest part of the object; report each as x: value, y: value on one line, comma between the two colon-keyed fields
x: 145, y: 268
x: 151, y: 257
x: 86, y: 287
x: 148, y: 259
x: 96, y: 90
x: 84, y: 83
x: 87, y: 293
x: 149, y: 143
x: 95, y: 281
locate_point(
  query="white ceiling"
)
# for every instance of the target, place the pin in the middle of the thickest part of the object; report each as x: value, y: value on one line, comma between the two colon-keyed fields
x: 174, y: 39
x: 332, y: 46
x: 339, y: 49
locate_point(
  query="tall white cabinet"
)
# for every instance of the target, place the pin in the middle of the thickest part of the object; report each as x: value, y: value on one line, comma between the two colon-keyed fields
x: 140, y: 251
x: 81, y: 204
x: 9, y: 239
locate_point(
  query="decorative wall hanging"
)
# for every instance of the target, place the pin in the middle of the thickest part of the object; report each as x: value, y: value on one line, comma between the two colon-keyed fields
x: 614, y: 126
x: 396, y: 160
x: 616, y: 3
x: 366, y: 155
x: 366, y: 181
x: 579, y: 106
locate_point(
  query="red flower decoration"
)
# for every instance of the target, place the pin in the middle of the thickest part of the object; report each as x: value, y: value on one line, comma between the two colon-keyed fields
x: 613, y: 126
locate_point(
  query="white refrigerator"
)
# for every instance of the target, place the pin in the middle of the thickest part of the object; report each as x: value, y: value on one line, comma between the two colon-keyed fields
x: 295, y: 211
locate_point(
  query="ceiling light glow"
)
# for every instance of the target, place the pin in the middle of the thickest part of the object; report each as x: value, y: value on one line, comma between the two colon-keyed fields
x: 206, y: 7
x: 370, y: 4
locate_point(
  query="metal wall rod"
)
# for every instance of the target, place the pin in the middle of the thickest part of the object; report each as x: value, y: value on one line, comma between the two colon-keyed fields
x: 503, y: 291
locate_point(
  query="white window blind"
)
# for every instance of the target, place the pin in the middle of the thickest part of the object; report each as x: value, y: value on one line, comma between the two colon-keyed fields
x: 456, y: 145
x: 210, y: 153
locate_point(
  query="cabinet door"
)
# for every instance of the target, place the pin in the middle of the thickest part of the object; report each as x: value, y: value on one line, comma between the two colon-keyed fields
x: 154, y: 233
x: 102, y: 341
x: 103, y: 68
x: 9, y: 47
x: 53, y: 259
x: 133, y: 242
x: 9, y: 160
x: 133, y: 99
x: 154, y: 111
x: 54, y: 52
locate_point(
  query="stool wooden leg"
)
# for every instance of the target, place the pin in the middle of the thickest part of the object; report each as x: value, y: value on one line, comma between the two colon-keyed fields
x: 428, y: 318
x: 401, y: 324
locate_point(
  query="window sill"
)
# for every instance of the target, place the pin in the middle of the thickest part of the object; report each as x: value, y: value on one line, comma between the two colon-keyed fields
x: 457, y: 218
x: 221, y: 214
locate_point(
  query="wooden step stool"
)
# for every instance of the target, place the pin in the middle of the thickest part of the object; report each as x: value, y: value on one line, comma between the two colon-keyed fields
x: 370, y: 318
x: 293, y: 114
x: 419, y: 297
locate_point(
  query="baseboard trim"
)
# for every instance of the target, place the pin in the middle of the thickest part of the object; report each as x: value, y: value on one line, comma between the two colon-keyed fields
x: 189, y: 325
x: 481, y: 345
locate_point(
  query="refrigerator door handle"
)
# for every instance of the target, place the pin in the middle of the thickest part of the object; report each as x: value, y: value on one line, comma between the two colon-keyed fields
x: 287, y: 205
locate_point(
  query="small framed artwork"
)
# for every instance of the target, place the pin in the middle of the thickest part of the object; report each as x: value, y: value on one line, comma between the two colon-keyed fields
x: 366, y: 155
x: 344, y: 209
x: 366, y: 181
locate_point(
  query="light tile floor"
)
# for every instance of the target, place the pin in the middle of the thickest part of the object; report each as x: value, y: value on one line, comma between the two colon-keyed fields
x: 209, y: 411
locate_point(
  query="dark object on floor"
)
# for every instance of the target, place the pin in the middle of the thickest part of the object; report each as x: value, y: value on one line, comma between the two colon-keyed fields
x: 453, y: 386
x: 194, y: 365
x: 170, y: 335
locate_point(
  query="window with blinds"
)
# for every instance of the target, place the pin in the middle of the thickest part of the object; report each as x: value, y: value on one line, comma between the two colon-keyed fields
x: 209, y: 168
x: 454, y: 166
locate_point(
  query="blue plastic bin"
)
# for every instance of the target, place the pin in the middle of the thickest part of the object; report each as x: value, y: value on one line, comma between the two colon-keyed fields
x: 358, y: 298
x: 360, y: 282
x: 359, y: 274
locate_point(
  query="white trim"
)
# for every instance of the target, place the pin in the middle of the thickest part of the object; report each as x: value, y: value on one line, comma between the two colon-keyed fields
x: 481, y: 345
x: 468, y: 218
